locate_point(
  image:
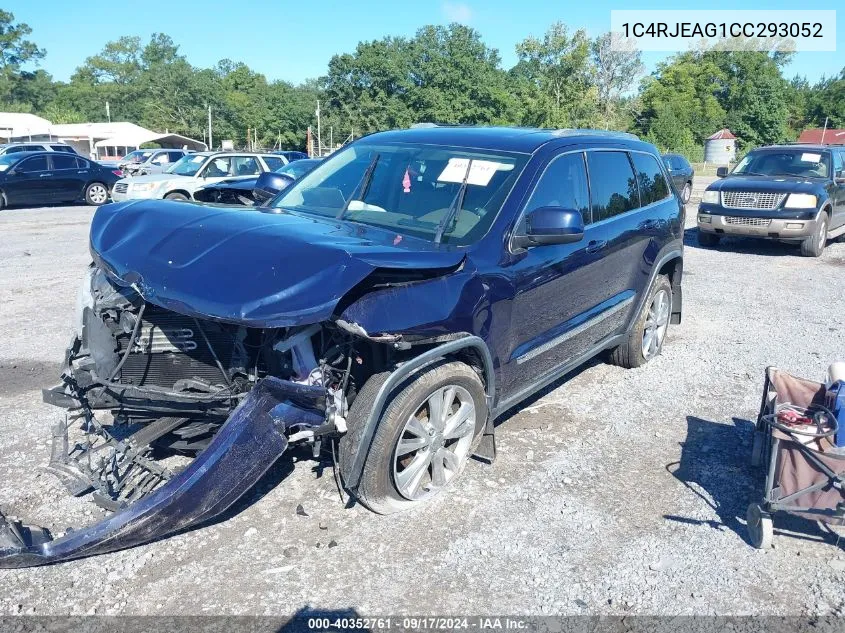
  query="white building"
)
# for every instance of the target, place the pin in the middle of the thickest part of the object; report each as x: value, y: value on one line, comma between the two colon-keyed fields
x: 100, y: 141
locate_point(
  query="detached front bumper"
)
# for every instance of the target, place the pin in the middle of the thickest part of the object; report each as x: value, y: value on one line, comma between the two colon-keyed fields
x: 756, y: 226
x: 246, y: 446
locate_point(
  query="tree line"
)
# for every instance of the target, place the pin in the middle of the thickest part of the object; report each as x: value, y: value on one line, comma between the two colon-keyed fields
x: 443, y: 74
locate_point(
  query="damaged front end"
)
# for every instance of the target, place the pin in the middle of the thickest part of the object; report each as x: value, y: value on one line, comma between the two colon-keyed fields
x: 170, y: 419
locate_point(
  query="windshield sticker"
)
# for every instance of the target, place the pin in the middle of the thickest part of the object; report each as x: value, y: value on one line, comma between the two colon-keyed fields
x: 406, y: 182
x: 810, y: 158
x: 480, y: 173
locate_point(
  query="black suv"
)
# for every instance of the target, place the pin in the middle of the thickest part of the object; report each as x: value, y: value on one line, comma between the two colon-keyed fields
x: 793, y: 193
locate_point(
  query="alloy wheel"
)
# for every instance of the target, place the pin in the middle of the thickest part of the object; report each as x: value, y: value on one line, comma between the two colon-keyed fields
x: 435, y: 443
x: 656, y: 324
x: 98, y: 194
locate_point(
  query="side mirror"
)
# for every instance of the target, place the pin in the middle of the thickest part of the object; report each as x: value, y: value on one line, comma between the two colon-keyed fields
x: 551, y: 225
x: 268, y: 185
x: 721, y: 172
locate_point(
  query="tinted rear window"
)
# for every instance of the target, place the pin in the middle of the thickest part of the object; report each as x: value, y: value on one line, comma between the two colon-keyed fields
x: 653, y: 186
x: 613, y: 188
x: 62, y: 161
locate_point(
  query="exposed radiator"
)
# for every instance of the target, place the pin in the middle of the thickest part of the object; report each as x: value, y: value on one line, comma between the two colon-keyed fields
x: 169, y: 347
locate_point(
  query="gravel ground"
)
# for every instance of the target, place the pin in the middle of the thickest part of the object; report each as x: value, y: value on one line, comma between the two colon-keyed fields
x: 615, y: 492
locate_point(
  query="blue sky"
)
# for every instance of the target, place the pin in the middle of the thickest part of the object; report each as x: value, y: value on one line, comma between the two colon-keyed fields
x: 294, y: 40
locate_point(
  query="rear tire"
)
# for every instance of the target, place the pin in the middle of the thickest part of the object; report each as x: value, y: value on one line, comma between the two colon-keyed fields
x: 813, y: 246
x: 708, y: 240
x: 176, y: 196
x: 432, y: 459
x: 96, y: 194
x: 646, y: 336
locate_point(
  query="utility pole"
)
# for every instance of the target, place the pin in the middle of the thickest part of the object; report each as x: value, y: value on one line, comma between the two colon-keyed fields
x: 210, y: 143
x: 824, y: 131
x: 108, y: 112
x: 319, y: 138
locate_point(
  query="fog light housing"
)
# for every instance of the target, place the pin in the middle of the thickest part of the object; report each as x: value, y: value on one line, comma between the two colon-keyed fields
x: 704, y: 219
x: 795, y: 225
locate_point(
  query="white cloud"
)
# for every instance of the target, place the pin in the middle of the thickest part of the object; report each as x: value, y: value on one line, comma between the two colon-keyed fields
x: 456, y: 11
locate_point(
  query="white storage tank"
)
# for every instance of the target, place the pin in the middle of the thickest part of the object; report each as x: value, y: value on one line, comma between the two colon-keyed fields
x: 720, y: 148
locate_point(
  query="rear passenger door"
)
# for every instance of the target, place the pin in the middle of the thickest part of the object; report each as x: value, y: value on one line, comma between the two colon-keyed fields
x: 631, y: 203
x: 559, y: 291
x: 68, y: 179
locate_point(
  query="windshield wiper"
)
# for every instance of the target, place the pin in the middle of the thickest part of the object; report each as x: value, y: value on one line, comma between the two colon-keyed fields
x: 361, y: 189
x: 454, y: 207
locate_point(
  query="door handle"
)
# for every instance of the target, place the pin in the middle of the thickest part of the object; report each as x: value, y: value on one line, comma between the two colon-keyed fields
x: 44, y: 175
x: 596, y: 245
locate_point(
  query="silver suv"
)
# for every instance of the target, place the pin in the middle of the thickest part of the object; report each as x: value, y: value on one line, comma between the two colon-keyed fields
x: 8, y: 148
x: 150, y: 161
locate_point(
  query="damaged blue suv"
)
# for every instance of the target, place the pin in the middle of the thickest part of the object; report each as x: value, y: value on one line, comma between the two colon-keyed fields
x: 387, y: 306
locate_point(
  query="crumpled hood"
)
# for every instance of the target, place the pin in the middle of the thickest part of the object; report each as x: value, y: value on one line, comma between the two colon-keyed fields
x: 257, y: 269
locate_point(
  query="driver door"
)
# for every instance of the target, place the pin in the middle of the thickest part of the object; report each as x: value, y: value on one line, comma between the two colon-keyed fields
x: 557, y: 289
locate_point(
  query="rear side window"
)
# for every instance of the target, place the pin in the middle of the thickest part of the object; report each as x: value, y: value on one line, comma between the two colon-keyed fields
x: 174, y: 156
x: 563, y: 184
x: 19, y: 148
x: 245, y: 166
x: 61, y: 148
x: 653, y: 186
x: 274, y: 162
x: 63, y: 161
x: 612, y: 184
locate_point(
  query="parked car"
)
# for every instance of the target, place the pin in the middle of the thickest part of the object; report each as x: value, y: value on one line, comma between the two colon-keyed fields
x: 682, y: 174
x: 47, y: 177
x: 150, y: 161
x: 290, y: 155
x: 193, y: 171
x: 37, y: 146
x: 792, y: 193
x: 393, y: 302
x: 255, y: 190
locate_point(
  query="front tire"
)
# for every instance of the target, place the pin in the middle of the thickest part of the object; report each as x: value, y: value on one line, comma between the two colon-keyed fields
x: 686, y: 193
x: 813, y: 245
x: 96, y: 194
x: 646, y: 336
x: 425, y: 436
x: 176, y: 196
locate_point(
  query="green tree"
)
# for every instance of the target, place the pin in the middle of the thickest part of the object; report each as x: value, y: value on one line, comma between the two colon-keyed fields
x: 15, y: 52
x: 556, y: 79
x: 616, y: 70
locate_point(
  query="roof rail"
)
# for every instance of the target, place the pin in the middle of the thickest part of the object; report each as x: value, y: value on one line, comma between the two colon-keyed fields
x: 593, y: 132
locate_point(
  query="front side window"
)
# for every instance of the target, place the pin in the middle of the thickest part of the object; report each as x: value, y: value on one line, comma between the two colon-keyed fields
x: 802, y: 163
x: 838, y: 164
x: 412, y: 189
x: 36, y: 163
x: 217, y: 167
x: 563, y: 184
x: 652, y: 184
x: 613, y: 187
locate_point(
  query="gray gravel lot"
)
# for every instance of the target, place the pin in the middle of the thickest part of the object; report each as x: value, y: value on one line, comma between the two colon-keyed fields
x: 614, y: 492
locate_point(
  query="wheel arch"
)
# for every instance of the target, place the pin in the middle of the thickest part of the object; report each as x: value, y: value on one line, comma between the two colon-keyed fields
x: 469, y: 349
x: 184, y: 192
x: 671, y: 263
